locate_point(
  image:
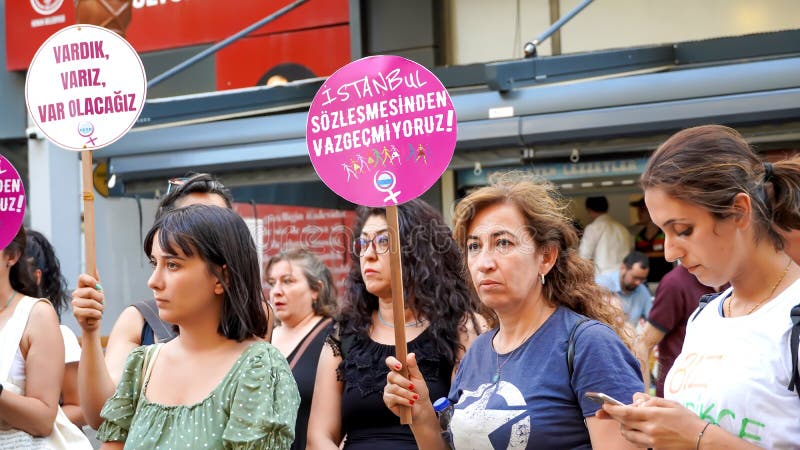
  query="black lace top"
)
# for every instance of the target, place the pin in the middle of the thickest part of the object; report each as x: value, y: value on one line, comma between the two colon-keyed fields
x: 366, y: 421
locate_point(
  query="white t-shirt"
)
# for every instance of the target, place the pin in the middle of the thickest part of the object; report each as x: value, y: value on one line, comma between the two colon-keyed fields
x: 734, y: 372
x: 72, y: 349
x: 606, y: 242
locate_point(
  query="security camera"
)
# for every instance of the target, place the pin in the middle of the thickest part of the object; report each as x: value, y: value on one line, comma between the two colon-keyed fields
x: 34, y: 133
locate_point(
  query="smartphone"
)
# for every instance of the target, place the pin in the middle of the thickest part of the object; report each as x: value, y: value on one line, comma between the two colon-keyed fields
x: 601, y: 398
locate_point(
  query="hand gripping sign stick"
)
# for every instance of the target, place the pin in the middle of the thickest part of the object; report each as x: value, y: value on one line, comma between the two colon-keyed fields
x: 84, y: 90
x: 380, y: 132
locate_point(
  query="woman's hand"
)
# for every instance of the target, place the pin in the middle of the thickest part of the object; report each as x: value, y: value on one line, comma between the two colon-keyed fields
x: 655, y: 422
x: 87, y: 303
x: 402, y: 392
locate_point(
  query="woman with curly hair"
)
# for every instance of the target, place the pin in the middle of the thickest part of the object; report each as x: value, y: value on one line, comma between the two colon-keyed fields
x: 440, y: 318
x: 523, y: 384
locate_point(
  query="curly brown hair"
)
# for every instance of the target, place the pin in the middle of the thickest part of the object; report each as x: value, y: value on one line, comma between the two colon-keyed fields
x: 570, y: 283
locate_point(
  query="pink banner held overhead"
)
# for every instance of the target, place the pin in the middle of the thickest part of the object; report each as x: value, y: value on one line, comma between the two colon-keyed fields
x: 381, y: 131
x: 12, y: 202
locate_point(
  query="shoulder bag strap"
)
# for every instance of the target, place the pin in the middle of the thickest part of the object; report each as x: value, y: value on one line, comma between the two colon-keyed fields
x: 308, y: 340
x: 150, y: 354
x: 794, y: 344
x: 571, y: 346
x: 704, y: 300
x: 162, y: 331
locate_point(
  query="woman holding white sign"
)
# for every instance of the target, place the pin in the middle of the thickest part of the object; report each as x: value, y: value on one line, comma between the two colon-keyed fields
x: 217, y: 384
x: 138, y: 324
x: 524, y: 384
x: 440, y: 319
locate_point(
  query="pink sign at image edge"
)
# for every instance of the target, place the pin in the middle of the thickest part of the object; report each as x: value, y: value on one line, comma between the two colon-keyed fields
x: 381, y: 131
x: 12, y: 202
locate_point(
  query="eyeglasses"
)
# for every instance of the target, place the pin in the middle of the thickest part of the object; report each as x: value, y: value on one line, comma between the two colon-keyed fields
x: 174, y: 183
x: 380, y: 243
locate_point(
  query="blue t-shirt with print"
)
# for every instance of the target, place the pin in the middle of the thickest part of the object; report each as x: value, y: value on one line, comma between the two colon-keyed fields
x: 534, y: 403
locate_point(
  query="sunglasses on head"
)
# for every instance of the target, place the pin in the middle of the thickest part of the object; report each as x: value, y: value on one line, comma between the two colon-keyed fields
x: 174, y: 183
x: 211, y: 185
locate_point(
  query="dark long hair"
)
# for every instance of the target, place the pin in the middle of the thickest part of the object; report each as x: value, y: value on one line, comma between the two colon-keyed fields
x: 709, y: 165
x: 20, y: 274
x: 221, y: 238
x: 433, y: 278
x: 52, y: 284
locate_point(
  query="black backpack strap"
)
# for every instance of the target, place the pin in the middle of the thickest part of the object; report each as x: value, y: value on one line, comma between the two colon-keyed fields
x: 162, y: 331
x: 794, y: 343
x: 703, y: 303
x: 571, y: 346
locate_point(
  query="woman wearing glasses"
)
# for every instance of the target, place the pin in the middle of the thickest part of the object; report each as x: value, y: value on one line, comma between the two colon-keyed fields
x: 440, y: 318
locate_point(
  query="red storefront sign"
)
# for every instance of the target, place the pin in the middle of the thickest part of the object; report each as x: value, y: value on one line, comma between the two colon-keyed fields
x: 325, y: 232
x: 315, y: 34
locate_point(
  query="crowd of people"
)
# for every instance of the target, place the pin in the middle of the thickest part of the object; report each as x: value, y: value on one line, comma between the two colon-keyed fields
x: 521, y: 333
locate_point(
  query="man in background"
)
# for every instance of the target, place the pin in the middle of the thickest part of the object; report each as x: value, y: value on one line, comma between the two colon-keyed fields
x: 628, y: 284
x: 605, y: 241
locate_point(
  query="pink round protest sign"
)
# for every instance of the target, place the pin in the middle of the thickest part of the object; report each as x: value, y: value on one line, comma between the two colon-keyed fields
x: 381, y: 131
x: 85, y: 87
x: 12, y: 202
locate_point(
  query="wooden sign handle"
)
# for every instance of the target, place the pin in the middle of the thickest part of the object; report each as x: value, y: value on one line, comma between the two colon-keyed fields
x: 398, y: 306
x: 88, y: 212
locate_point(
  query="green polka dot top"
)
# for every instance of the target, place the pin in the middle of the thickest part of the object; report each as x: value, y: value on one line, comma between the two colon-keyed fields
x: 254, y: 407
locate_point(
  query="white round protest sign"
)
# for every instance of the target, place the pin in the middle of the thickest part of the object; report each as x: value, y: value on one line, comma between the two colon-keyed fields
x: 85, y: 87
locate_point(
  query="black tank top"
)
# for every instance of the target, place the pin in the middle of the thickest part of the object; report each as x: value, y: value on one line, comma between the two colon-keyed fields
x: 366, y: 421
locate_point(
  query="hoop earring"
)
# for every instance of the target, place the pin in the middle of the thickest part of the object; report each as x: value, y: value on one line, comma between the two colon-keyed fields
x: 541, y: 277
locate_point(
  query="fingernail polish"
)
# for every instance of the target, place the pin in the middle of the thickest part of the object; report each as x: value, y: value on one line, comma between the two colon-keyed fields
x: 416, y: 397
x: 398, y: 366
x: 412, y: 402
x: 410, y: 387
x: 98, y: 287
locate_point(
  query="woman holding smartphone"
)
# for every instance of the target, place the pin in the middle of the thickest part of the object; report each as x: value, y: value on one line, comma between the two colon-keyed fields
x: 522, y: 385
x: 726, y: 216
